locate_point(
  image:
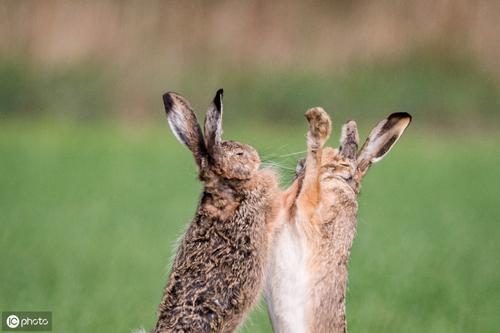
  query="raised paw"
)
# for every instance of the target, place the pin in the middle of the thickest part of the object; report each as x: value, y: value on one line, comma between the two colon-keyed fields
x: 320, y: 125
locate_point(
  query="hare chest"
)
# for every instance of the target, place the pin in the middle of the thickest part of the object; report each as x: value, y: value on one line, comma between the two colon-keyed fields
x: 287, y: 283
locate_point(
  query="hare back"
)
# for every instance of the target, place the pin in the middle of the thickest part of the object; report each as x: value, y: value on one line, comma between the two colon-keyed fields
x: 219, y: 267
x: 330, y: 245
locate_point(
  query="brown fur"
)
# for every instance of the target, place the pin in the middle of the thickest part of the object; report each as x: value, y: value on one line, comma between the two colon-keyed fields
x: 219, y: 266
x: 325, y: 212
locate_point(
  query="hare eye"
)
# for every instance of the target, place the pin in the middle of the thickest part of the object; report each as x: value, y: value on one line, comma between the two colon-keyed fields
x: 240, y: 153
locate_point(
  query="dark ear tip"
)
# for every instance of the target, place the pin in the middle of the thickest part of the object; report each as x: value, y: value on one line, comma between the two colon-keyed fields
x: 168, y: 101
x: 400, y: 115
x: 218, y: 98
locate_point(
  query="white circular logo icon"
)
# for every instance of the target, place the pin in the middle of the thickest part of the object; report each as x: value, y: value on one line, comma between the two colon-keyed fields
x: 12, y: 321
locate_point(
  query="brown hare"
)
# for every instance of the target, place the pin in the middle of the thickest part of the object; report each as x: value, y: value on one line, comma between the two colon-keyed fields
x: 218, y: 270
x: 307, y: 274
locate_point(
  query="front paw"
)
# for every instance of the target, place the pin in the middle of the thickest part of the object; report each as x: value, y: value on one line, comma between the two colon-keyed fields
x: 320, y: 125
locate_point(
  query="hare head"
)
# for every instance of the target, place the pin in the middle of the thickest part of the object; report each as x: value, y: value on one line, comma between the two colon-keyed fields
x: 348, y: 165
x: 215, y: 157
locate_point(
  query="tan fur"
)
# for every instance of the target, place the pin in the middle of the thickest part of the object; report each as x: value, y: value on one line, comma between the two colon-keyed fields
x: 323, y: 217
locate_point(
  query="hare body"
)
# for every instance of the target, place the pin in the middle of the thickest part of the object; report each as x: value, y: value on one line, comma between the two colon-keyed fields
x: 318, y: 219
x: 308, y: 267
x: 286, y: 292
x: 219, y: 267
x: 220, y: 263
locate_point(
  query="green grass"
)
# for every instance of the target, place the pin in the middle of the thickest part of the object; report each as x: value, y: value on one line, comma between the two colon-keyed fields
x: 89, y: 217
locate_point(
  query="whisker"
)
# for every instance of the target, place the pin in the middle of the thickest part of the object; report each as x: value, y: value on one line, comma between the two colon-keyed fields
x: 277, y: 165
x: 293, y: 154
x: 283, y: 156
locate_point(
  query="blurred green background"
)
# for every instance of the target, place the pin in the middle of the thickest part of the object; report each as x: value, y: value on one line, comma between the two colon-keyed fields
x: 94, y: 189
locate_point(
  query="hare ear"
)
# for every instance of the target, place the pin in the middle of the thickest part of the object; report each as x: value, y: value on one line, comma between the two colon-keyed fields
x: 349, y: 140
x: 213, y: 122
x: 184, y: 124
x: 381, y: 139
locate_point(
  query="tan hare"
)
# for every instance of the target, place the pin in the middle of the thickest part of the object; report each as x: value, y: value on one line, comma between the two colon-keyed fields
x: 219, y: 267
x: 307, y: 275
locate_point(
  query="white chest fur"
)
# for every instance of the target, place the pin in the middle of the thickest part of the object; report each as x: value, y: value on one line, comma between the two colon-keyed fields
x: 287, y: 281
